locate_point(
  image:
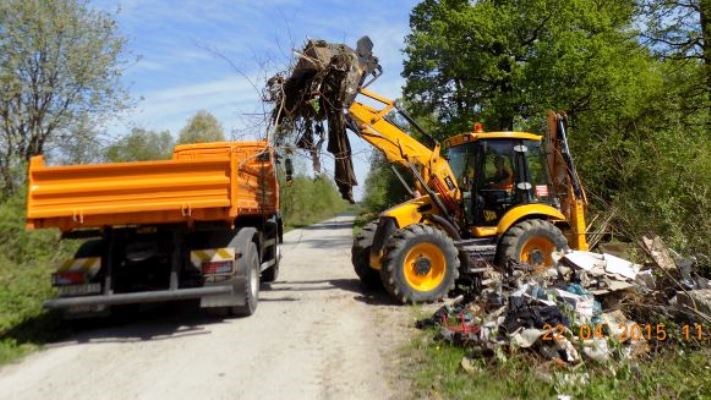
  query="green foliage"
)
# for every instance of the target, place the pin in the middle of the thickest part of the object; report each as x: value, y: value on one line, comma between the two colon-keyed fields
x: 383, y: 189
x: 201, y: 128
x: 26, y: 260
x: 59, y: 63
x: 506, y: 61
x: 141, y: 145
x: 305, y: 200
x: 19, y: 245
x: 674, y: 28
x: 80, y: 147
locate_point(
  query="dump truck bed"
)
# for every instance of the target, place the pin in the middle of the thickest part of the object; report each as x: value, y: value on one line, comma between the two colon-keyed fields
x: 202, y: 182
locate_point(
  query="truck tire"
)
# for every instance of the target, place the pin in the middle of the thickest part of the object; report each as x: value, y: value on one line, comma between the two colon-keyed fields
x: 360, y: 257
x: 420, y: 264
x: 274, y: 229
x: 248, y: 267
x: 272, y: 273
x: 531, y: 242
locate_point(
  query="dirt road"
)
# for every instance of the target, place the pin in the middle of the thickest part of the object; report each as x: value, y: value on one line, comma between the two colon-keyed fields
x: 314, y: 336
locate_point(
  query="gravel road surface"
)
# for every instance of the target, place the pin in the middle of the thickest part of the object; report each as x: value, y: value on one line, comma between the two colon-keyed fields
x: 315, y: 336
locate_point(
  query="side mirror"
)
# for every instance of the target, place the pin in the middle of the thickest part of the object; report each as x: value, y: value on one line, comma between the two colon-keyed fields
x: 289, y: 168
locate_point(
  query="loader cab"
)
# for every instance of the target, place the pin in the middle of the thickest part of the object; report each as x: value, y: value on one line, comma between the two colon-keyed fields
x: 496, y: 172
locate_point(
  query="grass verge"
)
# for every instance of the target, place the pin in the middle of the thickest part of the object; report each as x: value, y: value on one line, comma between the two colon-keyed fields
x: 24, y: 325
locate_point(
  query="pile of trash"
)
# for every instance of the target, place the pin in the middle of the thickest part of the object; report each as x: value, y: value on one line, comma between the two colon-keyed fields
x: 587, y: 307
x: 316, y: 91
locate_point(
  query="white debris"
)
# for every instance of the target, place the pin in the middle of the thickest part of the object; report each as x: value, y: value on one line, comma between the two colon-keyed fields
x: 585, y: 260
x: 596, y: 349
x: 616, y: 265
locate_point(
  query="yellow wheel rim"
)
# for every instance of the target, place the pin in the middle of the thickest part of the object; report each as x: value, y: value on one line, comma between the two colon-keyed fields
x: 424, y: 267
x: 538, y: 253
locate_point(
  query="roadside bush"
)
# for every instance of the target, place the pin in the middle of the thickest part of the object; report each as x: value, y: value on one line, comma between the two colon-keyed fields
x: 305, y: 201
x: 26, y: 261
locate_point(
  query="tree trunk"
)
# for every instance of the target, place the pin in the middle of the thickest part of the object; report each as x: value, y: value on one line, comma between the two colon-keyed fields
x: 704, y: 14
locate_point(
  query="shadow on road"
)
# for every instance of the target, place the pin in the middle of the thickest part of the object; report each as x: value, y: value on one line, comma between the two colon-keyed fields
x: 128, y: 324
x: 368, y: 296
x: 375, y: 297
x: 165, y: 321
x: 329, y: 226
x: 161, y: 321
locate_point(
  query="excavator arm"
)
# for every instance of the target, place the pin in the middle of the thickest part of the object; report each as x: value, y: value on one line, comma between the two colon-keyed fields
x: 432, y: 171
x: 565, y: 180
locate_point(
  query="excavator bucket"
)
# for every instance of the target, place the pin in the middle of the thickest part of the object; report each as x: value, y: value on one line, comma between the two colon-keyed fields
x: 322, y: 83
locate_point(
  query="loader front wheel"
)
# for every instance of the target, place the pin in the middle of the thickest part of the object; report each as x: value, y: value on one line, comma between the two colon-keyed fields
x: 420, y: 265
x: 532, y: 242
x: 360, y: 257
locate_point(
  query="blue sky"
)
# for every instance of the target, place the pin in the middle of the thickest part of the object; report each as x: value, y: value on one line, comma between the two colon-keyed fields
x: 179, y: 73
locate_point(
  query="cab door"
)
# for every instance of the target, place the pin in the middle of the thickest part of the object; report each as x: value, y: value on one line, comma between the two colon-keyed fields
x: 500, y: 168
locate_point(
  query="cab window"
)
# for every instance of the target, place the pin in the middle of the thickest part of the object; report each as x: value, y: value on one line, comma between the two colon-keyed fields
x: 462, y: 160
x: 498, y: 166
x: 537, y: 170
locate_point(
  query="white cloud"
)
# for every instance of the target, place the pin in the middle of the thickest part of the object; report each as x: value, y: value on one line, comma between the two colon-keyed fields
x: 177, y: 76
x: 168, y: 108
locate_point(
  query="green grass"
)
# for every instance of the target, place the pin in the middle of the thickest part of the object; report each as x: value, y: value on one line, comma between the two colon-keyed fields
x: 437, y: 373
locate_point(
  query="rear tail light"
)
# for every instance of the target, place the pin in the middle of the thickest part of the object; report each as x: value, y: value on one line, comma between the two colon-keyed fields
x: 68, y: 278
x: 217, y: 267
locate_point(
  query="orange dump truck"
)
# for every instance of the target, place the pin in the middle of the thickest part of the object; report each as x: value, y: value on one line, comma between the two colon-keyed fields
x: 204, y: 225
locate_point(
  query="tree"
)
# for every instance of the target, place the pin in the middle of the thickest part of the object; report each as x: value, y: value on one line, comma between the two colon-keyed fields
x: 637, y: 120
x: 141, y: 145
x: 504, y: 62
x: 679, y: 30
x: 79, y: 147
x: 202, y: 127
x: 676, y: 28
x: 59, y: 62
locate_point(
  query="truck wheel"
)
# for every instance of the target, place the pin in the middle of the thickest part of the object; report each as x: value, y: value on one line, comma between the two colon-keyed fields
x: 272, y: 273
x: 531, y: 242
x: 360, y: 257
x: 273, y: 228
x: 247, y: 266
x: 421, y: 264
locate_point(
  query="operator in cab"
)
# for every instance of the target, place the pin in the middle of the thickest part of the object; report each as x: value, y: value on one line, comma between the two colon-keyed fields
x: 503, y: 177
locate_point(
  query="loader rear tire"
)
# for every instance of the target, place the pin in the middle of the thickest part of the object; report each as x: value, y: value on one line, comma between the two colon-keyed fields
x: 531, y: 242
x: 360, y: 257
x: 421, y: 264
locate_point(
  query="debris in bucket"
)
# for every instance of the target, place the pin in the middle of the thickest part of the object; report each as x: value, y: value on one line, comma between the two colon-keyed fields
x: 319, y: 88
x: 587, y: 307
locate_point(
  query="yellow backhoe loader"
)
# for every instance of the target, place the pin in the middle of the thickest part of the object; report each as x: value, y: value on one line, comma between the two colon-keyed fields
x: 484, y: 197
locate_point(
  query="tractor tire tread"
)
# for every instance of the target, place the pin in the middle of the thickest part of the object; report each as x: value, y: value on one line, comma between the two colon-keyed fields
x: 398, y: 244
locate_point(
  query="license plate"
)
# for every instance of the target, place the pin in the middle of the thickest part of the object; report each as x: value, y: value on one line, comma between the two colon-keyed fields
x: 79, y: 290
